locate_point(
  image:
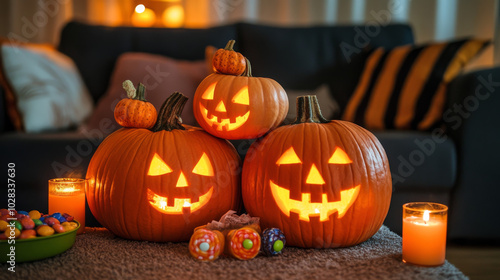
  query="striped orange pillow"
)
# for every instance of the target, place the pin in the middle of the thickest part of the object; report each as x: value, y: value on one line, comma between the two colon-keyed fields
x: 405, y: 87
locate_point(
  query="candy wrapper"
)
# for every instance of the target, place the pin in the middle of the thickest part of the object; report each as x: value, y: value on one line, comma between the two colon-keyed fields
x: 236, y: 236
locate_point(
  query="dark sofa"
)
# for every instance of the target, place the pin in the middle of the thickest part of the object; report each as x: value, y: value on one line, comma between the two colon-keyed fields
x: 455, y: 166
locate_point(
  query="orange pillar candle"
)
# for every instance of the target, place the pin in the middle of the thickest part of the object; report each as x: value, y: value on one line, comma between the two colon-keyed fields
x: 424, y: 233
x: 67, y: 195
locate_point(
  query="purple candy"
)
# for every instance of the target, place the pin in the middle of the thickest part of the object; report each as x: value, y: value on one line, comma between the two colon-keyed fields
x: 269, y: 237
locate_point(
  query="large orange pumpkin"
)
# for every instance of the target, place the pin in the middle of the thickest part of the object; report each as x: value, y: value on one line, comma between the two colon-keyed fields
x: 239, y: 107
x: 160, y: 184
x: 324, y: 183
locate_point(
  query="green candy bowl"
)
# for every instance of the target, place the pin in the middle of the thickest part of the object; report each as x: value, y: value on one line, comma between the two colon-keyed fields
x: 38, y: 248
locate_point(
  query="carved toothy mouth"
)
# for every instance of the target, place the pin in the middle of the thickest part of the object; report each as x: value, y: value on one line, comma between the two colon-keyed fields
x: 224, y: 124
x: 306, y: 209
x: 160, y: 202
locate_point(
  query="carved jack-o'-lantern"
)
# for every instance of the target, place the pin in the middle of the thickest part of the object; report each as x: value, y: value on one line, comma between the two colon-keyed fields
x: 160, y: 184
x: 239, y: 107
x: 324, y: 183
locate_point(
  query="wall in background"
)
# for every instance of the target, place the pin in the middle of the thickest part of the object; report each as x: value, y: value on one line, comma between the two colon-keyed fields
x: 41, y: 20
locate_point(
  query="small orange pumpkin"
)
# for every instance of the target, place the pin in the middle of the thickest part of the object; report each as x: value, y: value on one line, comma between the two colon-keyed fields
x: 135, y: 111
x: 239, y: 107
x: 324, y: 183
x: 160, y: 184
x: 227, y: 61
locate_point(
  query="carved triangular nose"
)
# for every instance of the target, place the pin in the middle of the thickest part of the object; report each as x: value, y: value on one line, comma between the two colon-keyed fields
x: 182, y: 182
x: 314, y: 176
x: 220, y: 107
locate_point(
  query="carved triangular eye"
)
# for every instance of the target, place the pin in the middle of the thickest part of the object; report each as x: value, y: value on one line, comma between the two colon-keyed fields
x: 339, y: 157
x: 158, y: 166
x: 209, y: 93
x: 288, y: 157
x: 204, y: 167
x: 241, y: 97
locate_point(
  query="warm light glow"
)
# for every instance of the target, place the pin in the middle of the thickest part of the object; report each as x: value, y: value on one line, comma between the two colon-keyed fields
x: 223, y: 124
x: 140, y: 8
x: 288, y: 157
x: 426, y: 216
x: 182, y: 181
x: 158, y: 166
x: 204, y: 167
x: 314, y: 176
x: 339, y: 157
x: 220, y: 107
x: 241, y: 97
x: 306, y: 209
x: 65, y: 190
x: 173, y: 16
x: 160, y: 203
x: 209, y: 93
x: 146, y: 18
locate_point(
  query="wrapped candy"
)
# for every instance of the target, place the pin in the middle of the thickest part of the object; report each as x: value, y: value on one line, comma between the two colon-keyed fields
x: 236, y: 236
x: 205, y: 244
x: 243, y: 243
x: 273, y: 241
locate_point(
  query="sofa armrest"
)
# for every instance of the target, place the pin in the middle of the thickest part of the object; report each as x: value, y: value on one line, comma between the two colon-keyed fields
x: 472, y: 118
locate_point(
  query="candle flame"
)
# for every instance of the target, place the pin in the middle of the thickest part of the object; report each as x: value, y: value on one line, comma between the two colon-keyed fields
x: 66, y: 189
x: 426, y: 216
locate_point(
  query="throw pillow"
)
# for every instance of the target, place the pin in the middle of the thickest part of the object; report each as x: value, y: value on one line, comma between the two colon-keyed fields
x: 161, y: 75
x: 44, y: 90
x: 329, y: 106
x: 209, y: 56
x: 405, y: 87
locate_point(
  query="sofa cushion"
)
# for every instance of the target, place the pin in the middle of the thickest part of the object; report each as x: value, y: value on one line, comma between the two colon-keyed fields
x: 405, y: 87
x: 329, y: 107
x: 171, y: 75
x: 44, y: 88
x: 96, y: 48
x: 420, y: 161
x: 306, y: 57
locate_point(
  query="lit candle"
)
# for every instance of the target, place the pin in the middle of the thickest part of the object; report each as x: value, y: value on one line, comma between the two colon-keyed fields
x: 67, y: 195
x: 424, y: 233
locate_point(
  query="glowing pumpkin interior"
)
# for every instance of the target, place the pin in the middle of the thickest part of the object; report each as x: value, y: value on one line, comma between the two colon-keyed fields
x: 305, y: 208
x: 159, y: 167
x: 219, y: 117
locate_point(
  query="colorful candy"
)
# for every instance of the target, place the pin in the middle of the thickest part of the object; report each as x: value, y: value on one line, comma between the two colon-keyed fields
x: 244, y: 243
x: 34, y: 214
x: 45, y: 230
x: 24, y: 225
x: 206, y: 245
x: 273, y: 241
x: 27, y: 223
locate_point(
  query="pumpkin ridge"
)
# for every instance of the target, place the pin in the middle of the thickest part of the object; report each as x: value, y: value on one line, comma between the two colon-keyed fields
x: 132, y: 152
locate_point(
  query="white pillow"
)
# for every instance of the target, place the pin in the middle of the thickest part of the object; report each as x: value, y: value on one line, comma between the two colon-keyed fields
x: 48, y: 89
x: 329, y: 107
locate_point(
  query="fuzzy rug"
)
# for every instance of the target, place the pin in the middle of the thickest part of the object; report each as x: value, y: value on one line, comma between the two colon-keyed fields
x: 98, y: 254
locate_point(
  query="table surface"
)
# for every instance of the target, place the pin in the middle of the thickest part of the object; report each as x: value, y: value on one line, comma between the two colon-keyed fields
x: 98, y: 254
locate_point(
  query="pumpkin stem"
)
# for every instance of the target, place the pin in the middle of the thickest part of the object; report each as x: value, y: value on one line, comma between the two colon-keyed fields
x: 141, y: 92
x: 169, y: 117
x: 308, y: 110
x: 248, y: 69
x: 230, y: 45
